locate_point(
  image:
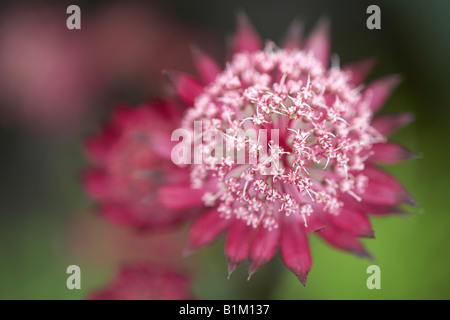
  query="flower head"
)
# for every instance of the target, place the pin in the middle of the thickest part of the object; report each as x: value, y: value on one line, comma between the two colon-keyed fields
x: 145, y: 282
x: 131, y: 166
x: 294, y: 147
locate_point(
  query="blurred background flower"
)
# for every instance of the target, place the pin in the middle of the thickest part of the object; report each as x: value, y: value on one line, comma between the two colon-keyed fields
x: 53, y: 80
x: 42, y: 204
x: 48, y: 80
x: 132, y: 164
x: 145, y: 282
x: 134, y: 41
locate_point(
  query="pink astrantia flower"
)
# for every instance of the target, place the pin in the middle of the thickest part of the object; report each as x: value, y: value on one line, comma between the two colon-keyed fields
x: 145, y: 282
x: 318, y: 175
x: 131, y: 163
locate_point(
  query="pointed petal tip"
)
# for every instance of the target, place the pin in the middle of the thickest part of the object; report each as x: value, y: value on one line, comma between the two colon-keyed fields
x: 171, y: 76
x: 369, y: 234
x: 367, y: 63
x: 293, y: 37
x: 408, y: 117
x: 407, y: 154
x: 361, y: 253
x: 231, y: 267
x: 319, y: 42
x: 175, y: 77
x: 241, y: 14
x: 323, y: 23
x: 401, y: 212
x: 187, y: 251
x: 366, y: 254
x: 206, y: 66
x: 296, y: 23
x: 359, y: 70
x: 394, y: 79
x: 381, y: 89
x: 242, y: 18
x: 391, y: 153
x: 322, y: 28
x: 186, y: 86
x: 251, y: 271
x: 413, y: 155
x: 296, y: 26
x: 252, y: 268
x: 391, y: 81
x: 196, y: 51
x: 404, y: 197
x: 409, y: 199
x: 390, y: 122
x: 302, y: 277
x: 246, y: 37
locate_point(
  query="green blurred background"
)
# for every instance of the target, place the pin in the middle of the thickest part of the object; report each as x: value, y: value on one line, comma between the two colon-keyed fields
x: 47, y: 223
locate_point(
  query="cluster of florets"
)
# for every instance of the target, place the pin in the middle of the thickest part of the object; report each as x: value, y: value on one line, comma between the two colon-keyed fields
x: 320, y: 136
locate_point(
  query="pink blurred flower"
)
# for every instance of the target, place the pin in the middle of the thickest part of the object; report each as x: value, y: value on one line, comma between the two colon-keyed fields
x: 53, y: 79
x: 47, y: 79
x: 133, y: 42
x: 145, y: 282
x: 131, y: 163
x: 322, y: 174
